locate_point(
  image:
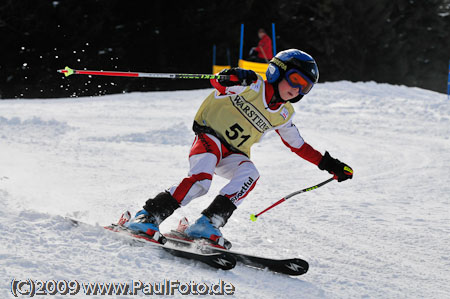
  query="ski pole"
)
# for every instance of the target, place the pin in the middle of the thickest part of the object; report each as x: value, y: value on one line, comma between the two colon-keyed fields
x: 68, y: 71
x: 254, y: 217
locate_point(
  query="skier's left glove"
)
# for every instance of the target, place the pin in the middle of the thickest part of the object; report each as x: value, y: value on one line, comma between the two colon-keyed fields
x: 240, y: 77
x: 341, y: 171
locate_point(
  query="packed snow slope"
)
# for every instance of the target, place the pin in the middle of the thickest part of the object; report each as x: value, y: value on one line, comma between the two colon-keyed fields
x: 384, y: 234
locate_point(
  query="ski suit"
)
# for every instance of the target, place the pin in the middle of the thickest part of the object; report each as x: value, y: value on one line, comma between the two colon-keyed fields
x: 227, y: 124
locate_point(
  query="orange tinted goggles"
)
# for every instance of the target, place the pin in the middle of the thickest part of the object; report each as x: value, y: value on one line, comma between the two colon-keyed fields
x: 297, y: 79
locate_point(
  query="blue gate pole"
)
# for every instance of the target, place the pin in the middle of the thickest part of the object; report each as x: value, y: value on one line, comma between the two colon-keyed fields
x: 241, y: 48
x: 214, y: 55
x: 448, y: 82
x: 274, y: 38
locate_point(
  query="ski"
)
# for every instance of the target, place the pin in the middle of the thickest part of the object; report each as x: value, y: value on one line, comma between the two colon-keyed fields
x: 218, y: 260
x: 292, y: 266
x: 177, y: 243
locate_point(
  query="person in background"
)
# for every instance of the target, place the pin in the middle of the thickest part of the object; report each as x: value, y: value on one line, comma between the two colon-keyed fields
x: 263, y: 52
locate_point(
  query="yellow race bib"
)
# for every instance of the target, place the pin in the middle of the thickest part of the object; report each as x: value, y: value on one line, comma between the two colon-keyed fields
x: 242, y: 119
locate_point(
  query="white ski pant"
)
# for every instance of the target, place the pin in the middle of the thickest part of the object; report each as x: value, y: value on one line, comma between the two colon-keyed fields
x: 208, y: 156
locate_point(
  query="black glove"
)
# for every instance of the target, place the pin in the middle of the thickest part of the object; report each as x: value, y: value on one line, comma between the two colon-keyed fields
x: 340, y: 170
x: 244, y: 77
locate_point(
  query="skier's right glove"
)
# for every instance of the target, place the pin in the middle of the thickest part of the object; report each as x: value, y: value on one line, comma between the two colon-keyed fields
x: 239, y: 77
x: 341, y: 171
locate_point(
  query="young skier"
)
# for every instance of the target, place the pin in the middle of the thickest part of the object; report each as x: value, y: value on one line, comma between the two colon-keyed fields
x: 230, y: 120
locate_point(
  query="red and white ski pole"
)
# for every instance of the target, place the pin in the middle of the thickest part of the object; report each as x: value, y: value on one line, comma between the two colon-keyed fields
x: 254, y: 217
x: 68, y: 71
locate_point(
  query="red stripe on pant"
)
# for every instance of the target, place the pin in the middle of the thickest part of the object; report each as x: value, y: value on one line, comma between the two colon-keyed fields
x: 187, y: 183
x: 249, y: 190
x: 243, y: 195
x: 204, y: 144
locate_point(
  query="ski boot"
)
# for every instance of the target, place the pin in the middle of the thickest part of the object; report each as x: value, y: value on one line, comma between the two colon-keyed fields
x: 214, y: 217
x: 155, y: 211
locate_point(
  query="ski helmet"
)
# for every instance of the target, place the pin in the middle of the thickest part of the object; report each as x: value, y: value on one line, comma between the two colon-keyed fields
x: 292, y: 59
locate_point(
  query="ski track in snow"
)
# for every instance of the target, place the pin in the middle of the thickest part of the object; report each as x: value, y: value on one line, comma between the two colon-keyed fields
x: 384, y: 234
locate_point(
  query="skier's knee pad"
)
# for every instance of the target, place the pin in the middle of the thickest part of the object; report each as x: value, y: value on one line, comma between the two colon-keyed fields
x: 203, y: 187
x: 249, y: 169
x: 198, y: 189
x: 255, y: 173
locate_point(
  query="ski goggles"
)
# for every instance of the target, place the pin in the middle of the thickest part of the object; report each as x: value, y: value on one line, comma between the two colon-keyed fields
x: 297, y: 79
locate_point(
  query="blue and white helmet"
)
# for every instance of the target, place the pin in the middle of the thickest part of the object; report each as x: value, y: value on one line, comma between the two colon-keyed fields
x: 292, y: 59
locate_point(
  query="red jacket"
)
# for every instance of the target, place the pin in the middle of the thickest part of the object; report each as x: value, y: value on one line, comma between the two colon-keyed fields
x: 266, y: 44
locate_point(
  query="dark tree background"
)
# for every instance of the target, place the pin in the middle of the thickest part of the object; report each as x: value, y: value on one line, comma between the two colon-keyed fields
x: 395, y: 41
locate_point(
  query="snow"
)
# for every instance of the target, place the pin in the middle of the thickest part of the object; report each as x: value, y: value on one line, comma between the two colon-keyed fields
x: 384, y: 234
